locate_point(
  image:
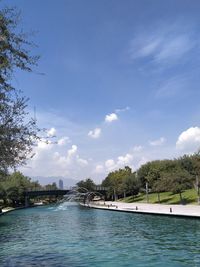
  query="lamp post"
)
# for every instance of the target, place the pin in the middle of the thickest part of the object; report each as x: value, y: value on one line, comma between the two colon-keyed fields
x: 147, y: 192
x: 197, y: 188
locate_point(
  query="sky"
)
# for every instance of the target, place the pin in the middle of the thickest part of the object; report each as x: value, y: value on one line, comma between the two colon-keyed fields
x: 117, y: 83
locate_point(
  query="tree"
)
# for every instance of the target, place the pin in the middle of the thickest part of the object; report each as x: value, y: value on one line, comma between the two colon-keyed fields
x: 87, y: 184
x: 131, y: 185
x: 14, y: 187
x: 177, y: 181
x: 52, y: 186
x: 17, y: 132
x: 117, y: 181
x: 152, y: 171
x: 158, y: 187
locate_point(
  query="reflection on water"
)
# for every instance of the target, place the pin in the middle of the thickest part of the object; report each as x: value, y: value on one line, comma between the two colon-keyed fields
x: 69, y: 235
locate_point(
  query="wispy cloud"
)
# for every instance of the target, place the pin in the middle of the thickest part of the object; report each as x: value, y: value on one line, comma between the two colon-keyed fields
x: 174, y: 47
x: 167, y: 45
x: 119, y: 110
x: 172, y: 87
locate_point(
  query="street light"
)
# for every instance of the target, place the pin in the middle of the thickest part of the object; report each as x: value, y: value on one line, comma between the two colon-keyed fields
x: 147, y: 192
x: 197, y: 187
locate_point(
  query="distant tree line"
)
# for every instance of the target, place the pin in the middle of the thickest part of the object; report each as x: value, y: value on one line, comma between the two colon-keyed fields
x: 13, y: 187
x: 157, y: 176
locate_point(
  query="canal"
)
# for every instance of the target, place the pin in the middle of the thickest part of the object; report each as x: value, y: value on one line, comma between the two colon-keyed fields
x: 69, y: 235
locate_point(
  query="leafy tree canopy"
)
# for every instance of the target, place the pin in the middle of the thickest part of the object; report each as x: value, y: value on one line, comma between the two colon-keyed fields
x: 17, y: 131
x: 87, y: 184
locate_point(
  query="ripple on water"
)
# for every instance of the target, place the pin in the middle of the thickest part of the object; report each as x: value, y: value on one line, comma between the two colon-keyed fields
x: 67, y: 235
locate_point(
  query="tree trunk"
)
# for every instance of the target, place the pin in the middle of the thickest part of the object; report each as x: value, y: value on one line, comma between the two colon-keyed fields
x: 181, y: 199
x: 124, y: 194
x: 158, y: 197
x: 115, y: 195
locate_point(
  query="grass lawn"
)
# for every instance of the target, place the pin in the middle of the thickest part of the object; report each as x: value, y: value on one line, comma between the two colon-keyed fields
x: 189, y: 197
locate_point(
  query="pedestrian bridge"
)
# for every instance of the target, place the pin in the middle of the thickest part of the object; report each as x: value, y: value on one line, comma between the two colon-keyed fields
x: 56, y: 192
x: 39, y: 192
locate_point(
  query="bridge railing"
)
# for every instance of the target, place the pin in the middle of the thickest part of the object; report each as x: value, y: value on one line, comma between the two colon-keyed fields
x: 47, y: 189
x: 100, y: 188
x: 96, y: 188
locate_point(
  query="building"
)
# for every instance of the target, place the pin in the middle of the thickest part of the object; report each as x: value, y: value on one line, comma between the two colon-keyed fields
x: 60, y: 184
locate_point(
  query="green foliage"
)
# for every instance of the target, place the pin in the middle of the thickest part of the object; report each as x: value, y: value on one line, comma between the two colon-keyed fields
x: 52, y: 186
x: 87, y: 184
x: 13, y: 187
x: 131, y: 184
x: 121, y: 182
x: 152, y: 171
x: 175, y: 175
x: 14, y: 48
x: 17, y: 132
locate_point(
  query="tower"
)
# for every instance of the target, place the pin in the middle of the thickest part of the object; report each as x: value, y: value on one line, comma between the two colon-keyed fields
x: 60, y: 184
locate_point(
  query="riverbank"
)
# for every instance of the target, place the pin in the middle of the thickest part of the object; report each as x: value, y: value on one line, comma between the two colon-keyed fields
x: 154, y: 209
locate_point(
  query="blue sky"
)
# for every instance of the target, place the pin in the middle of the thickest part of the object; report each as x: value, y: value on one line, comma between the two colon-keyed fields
x: 120, y: 84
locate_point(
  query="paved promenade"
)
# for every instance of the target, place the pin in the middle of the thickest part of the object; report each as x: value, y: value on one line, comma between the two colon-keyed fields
x: 160, y: 209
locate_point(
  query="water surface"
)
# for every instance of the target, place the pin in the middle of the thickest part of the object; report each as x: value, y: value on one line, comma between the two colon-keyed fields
x: 68, y: 235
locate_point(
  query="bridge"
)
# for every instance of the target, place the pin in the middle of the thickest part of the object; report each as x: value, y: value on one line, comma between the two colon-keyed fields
x: 55, y: 192
x: 42, y: 192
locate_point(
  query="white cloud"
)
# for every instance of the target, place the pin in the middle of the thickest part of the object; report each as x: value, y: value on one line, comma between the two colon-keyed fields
x: 124, y: 160
x: 142, y: 161
x: 63, y: 141
x: 158, y: 142
x: 110, y: 164
x: 71, y: 160
x: 99, y: 169
x: 120, y: 162
x: 95, y: 133
x: 50, y: 162
x: 189, y: 140
x: 72, y: 151
x: 82, y: 162
x: 44, y: 144
x: 51, y: 132
x: 111, y: 117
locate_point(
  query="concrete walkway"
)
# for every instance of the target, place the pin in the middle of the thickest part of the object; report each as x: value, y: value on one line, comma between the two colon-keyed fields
x: 159, y: 209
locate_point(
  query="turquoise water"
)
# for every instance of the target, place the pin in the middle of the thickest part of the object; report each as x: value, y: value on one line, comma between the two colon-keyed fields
x: 68, y: 235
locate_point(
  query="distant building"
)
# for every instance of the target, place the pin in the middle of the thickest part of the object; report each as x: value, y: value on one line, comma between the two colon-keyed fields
x: 60, y: 184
